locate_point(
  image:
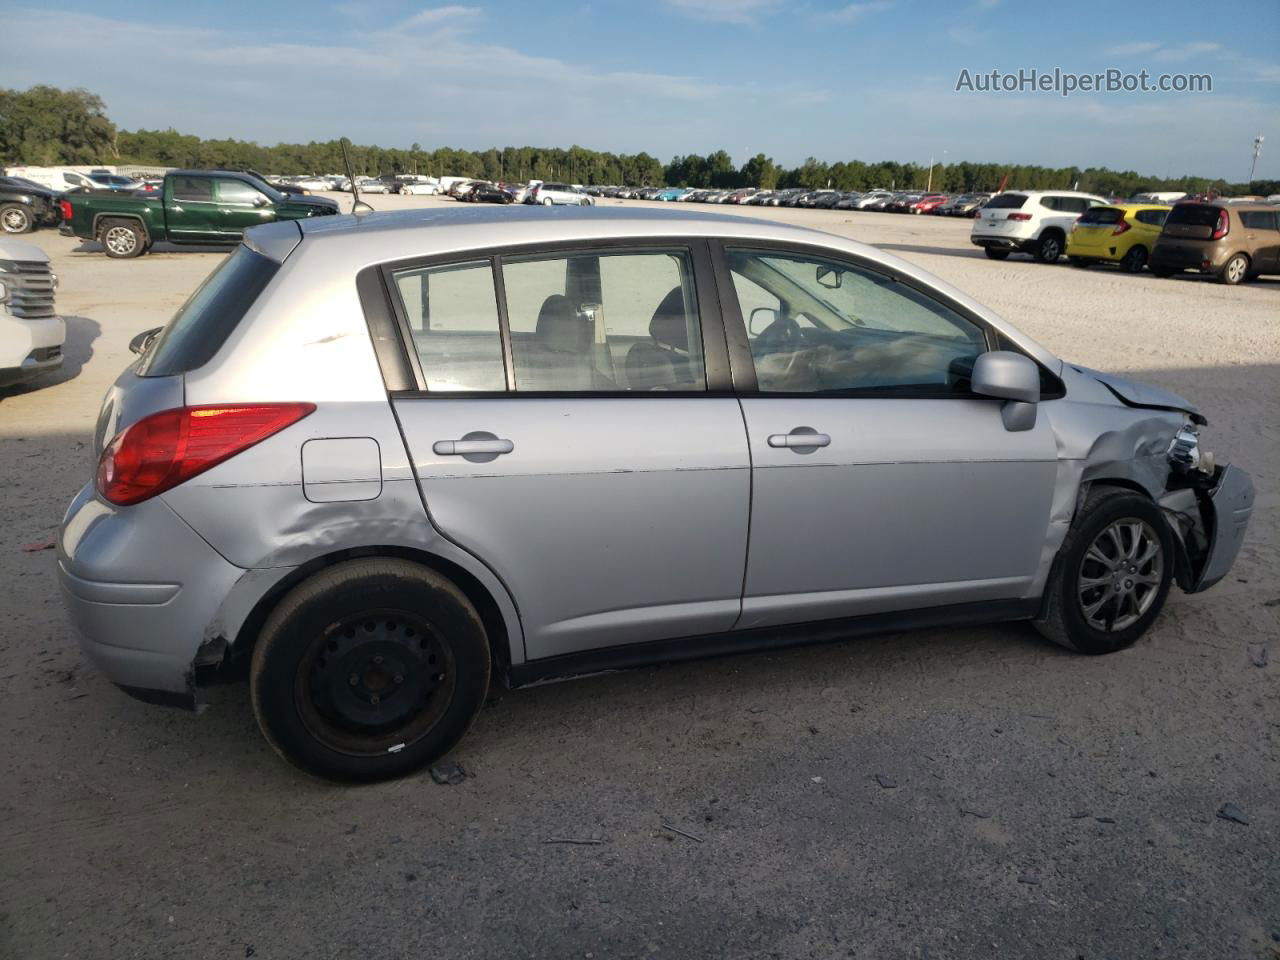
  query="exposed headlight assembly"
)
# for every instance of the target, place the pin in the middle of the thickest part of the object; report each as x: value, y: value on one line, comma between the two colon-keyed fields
x: 1185, y: 454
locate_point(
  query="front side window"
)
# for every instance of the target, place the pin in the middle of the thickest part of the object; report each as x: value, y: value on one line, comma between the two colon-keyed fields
x: 452, y: 314
x: 192, y: 188
x: 238, y: 192
x: 625, y: 321
x: 822, y: 326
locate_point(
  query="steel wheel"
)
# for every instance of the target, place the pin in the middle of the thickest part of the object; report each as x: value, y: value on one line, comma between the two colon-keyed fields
x: 1120, y: 575
x: 121, y: 241
x: 374, y: 680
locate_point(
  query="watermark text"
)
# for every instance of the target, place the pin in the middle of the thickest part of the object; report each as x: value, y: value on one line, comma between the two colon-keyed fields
x: 1065, y: 83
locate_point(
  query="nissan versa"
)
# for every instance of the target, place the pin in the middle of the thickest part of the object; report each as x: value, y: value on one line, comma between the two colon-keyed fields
x: 375, y: 461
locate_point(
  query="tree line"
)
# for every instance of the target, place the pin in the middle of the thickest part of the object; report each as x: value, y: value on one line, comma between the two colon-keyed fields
x: 48, y: 126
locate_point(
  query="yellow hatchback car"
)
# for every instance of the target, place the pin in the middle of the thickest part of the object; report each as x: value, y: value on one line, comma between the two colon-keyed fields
x: 1122, y: 233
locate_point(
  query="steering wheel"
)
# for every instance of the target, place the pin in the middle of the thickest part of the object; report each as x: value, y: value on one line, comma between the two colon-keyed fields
x: 780, y: 335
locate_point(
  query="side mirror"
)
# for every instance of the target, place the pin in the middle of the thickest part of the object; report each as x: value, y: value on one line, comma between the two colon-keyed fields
x: 762, y: 318
x: 143, y: 340
x: 261, y: 201
x: 830, y: 277
x: 1013, y: 378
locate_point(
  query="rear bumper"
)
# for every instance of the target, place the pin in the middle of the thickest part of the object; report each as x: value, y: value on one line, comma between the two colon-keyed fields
x: 143, y: 592
x: 1021, y: 244
x: 1187, y: 257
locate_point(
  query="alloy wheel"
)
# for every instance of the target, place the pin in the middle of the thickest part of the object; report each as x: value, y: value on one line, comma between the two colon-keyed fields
x: 1120, y: 575
x: 15, y: 221
x: 120, y: 240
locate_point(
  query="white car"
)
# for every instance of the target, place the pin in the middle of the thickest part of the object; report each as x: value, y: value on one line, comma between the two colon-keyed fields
x: 875, y: 196
x: 421, y: 188
x: 547, y: 194
x: 1030, y: 221
x: 31, y: 332
x: 314, y: 184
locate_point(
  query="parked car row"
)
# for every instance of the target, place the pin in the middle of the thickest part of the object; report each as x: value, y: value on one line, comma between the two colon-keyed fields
x: 890, y: 201
x: 1231, y: 241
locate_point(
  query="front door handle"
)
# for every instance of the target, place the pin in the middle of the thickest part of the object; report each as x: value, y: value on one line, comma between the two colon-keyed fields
x: 800, y: 438
x: 465, y: 447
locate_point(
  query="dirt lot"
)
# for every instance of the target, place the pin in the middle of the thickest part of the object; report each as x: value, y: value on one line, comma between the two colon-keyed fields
x: 943, y: 794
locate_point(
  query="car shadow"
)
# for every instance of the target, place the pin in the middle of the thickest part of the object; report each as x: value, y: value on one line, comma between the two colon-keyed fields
x: 77, y: 349
x: 93, y: 247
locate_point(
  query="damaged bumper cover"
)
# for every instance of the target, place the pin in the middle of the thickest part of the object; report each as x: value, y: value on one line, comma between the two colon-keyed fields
x: 1209, y: 516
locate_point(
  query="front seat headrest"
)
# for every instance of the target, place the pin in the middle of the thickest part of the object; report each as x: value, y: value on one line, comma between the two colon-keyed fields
x: 559, y: 327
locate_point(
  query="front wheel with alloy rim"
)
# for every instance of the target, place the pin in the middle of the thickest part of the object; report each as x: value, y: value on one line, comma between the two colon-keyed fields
x: 122, y: 239
x: 1112, y: 574
x: 1049, y: 249
x: 369, y: 670
x: 15, y: 218
x: 1234, y: 270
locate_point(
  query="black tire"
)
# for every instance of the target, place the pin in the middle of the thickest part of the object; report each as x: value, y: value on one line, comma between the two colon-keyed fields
x: 1135, y: 259
x: 343, y: 679
x: 1235, y: 270
x: 15, y: 218
x: 995, y: 253
x: 1049, y: 247
x: 1081, y: 262
x: 1069, y: 595
x: 123, y: 239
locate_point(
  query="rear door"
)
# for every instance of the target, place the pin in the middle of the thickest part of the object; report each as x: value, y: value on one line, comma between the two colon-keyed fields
x: 191, y: 210
x: 1263, y: 238
x: 574, y: 430
x: 880, y: 484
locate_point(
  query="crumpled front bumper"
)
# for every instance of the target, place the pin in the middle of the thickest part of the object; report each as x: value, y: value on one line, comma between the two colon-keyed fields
x: 1210, y: 523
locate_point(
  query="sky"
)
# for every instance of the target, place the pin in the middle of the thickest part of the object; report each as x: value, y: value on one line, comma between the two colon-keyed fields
x: 871, y: 80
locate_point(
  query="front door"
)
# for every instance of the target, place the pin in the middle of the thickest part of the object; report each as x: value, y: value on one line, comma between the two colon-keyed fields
x: 242, y: 206
x: 568, y: 433
x: 880, y: 483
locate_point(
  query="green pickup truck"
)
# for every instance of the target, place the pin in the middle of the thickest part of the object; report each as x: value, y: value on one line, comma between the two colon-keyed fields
x: 195, y: 206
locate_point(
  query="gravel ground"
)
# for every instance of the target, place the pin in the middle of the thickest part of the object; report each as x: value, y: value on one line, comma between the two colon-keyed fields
x: 943, y: 794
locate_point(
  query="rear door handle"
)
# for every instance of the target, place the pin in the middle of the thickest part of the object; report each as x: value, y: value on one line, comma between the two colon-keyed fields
x: 463, y: 448
x: 800, y: 437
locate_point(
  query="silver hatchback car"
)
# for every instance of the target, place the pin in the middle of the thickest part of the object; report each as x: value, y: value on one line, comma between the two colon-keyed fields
x: 376, y: 461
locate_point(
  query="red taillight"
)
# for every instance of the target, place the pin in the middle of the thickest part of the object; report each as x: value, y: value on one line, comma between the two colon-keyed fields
x: 1121, y: 227
x: 1019, y: 216
x: 1223, y: 227
x: 65, y: 207
x: 167, y: 448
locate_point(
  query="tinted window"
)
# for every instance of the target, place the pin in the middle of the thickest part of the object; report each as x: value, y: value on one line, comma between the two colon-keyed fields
x: 192, y: 188
x: 1155, y: 218
x: 1194, y: 215
x: 1101, y: 216
x: 1258, y: 219
x: 453, y: 319
x: 1007, y: 201
x: 204, y: 322
x: 237, y: 191
x: 604, y: 322
x: 818, y: 326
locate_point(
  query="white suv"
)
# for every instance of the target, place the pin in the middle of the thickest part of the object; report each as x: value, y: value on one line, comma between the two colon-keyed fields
x: 1030, y: 221
x: 31, y: 332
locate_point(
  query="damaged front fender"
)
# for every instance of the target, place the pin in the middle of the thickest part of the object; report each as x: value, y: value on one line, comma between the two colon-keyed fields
x: 1209, y: 518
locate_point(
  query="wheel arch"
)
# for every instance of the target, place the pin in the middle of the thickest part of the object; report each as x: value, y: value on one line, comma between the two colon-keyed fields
x: 234, y: 664
x: 100, y: 218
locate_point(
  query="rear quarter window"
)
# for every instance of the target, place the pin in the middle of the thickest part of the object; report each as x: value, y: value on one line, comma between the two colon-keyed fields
x: 1258, y: 219
x: 202, y: 324
x: 1155, y: 218
x: 1007, y: 201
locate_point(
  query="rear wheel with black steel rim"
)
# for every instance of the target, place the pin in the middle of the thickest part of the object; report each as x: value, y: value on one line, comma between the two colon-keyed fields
x: 1112, y: 574
x: 369, y: 670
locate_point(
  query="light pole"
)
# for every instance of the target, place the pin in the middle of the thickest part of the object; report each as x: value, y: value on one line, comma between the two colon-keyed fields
x: 1257, y: 149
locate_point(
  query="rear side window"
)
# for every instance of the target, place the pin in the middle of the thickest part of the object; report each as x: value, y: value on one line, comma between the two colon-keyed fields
x: 1007, y: 201
x: 204, y: 322
x: 1101, y: 216
x: 1258, y: 219
x: 1194, y: 215
x: 452, y: 313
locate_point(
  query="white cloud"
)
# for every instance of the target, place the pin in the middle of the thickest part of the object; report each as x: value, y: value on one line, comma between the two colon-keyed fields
x: 1132, y: 49
x: 856, y: 11
x: 1162, y: 52
x: 722, y: 11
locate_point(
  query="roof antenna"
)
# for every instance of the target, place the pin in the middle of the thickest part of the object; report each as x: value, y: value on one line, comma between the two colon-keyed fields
x: 358, y: 206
